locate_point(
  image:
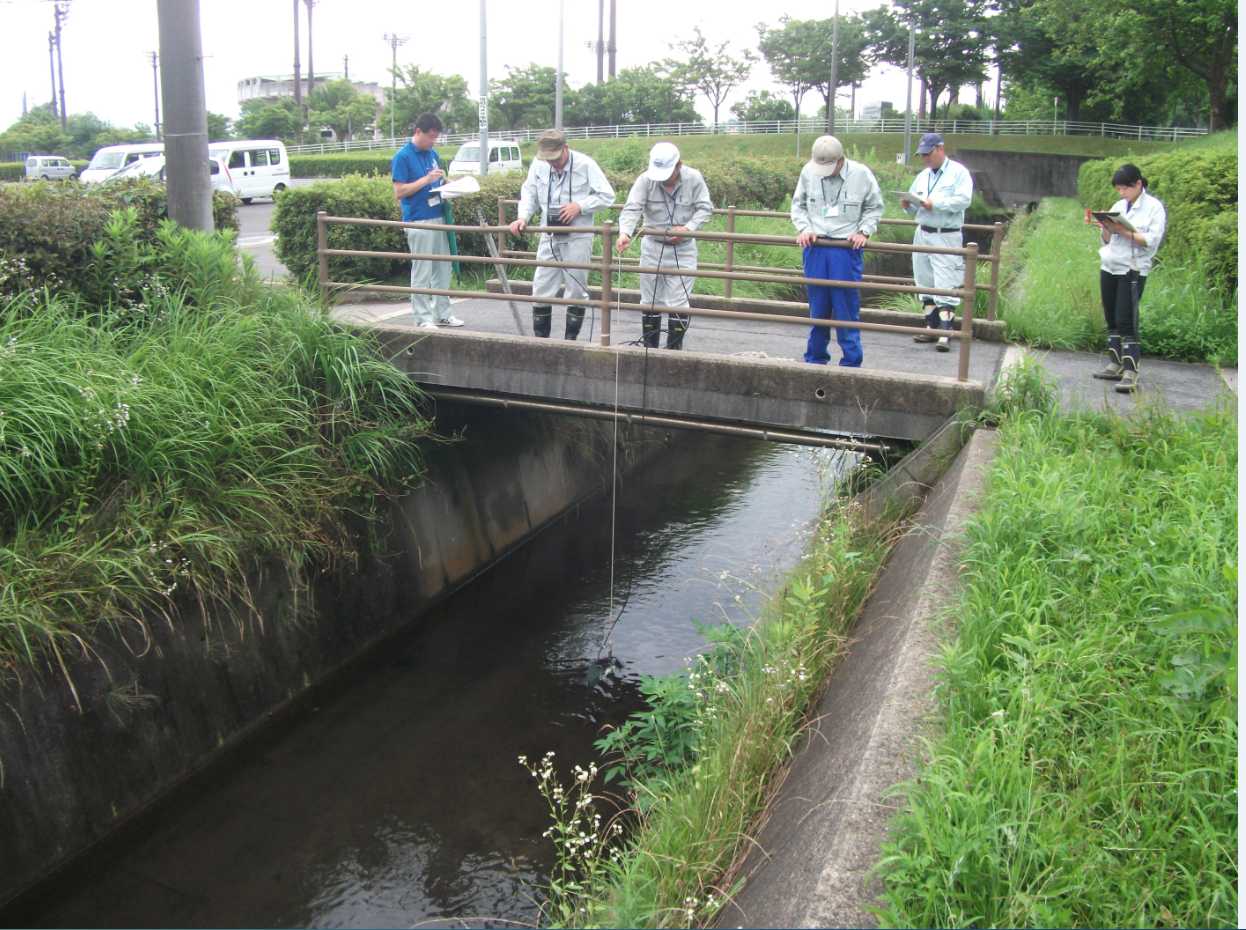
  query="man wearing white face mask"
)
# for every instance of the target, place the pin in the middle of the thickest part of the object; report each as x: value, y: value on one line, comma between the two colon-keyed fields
x: 672, y: 197
x: 835, y: 209
x: 567, y: 187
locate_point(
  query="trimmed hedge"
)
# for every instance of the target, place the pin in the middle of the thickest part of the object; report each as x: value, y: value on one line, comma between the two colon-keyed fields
x: 1198, y: 187
x: 47, y: 228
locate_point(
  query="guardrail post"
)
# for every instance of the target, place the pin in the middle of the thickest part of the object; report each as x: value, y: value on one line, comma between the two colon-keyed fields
x: 997, y: 248
x: 730, y: 262
x: 607, y: 247
x: 322, y: 244
x: 501, y: 222
x: 967, y: 308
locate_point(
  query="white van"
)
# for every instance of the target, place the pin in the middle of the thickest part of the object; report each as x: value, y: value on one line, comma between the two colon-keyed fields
x: 48, y: 168
x: 260, y: 167
x: 154, y: 167
x: 112, y: 158
x: 503, y: 157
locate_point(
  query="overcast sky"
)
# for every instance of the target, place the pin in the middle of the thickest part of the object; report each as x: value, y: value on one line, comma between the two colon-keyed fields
x: 107, y: 44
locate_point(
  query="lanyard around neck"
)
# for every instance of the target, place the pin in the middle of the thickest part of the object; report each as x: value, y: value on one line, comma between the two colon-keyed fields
x: 566, y: 180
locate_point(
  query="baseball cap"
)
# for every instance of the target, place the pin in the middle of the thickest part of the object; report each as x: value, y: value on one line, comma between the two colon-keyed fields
x: 928, y: 143
x: 549, y: 144
x: 827, y: 151
x: 663, y: 158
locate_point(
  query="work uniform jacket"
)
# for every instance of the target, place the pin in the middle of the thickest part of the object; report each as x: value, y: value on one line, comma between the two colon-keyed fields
x: 838, y: 205
x: 651, y: 205
x: 581, y: 181
x: 1121, y: 255
x: 949, y: 190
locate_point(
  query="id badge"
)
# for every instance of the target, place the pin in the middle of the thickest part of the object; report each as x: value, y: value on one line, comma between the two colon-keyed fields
x: 830, y: 210
x: 434, y: 200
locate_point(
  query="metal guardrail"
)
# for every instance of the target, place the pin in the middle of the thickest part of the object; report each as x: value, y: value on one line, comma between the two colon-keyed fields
x: 993, y: 255
x: 606, y: 267
x: 811, y: 125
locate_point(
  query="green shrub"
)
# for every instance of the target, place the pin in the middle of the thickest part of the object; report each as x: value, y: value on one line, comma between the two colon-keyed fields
x: 1199, y: 190
x: 47, y: 229
x: 339, y: 166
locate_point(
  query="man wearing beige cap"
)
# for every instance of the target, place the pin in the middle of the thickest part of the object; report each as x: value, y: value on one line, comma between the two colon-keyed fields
x: 567, y: 187
x: 672, y: 197
x: 835, y: 209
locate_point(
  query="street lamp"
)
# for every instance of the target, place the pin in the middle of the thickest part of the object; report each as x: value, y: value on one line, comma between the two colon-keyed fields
x: 394, y: 41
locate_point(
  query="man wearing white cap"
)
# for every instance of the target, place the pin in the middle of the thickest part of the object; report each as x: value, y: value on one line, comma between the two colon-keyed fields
x: 567, y: 187
x: 670, y: 197
x: 836, y: 208
x: 938, y: 196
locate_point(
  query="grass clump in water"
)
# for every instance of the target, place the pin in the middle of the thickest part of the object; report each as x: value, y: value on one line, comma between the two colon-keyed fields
x: 698, y: 764
x: 1087, y: 775
x: 154, y: 445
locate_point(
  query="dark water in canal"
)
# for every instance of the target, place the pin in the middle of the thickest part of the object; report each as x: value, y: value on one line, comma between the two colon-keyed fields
x: 399, y: 800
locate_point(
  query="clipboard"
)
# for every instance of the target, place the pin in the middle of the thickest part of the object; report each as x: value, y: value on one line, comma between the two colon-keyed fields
x: 1108, y: 216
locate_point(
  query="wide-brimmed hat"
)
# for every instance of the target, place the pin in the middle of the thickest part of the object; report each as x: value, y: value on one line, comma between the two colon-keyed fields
x: 663, y: 160
x: 827, y: 151
x: 928, y: 143
x: 549, y: 144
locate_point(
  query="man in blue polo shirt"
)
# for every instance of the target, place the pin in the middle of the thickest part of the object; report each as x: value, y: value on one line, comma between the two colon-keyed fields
x: 417, y: 176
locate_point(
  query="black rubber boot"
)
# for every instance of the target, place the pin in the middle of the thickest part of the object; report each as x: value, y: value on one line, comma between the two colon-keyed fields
x: 1113, y: 370
x: 575, y: 319
x: 1131, y: 355
x: 541, y: 317
x: 651, y: 329
x: 932, y: 322
x: 947, y: 321
x: 676, y: 326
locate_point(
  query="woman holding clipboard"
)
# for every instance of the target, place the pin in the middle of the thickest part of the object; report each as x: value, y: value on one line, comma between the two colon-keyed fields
x: 1130, y: 233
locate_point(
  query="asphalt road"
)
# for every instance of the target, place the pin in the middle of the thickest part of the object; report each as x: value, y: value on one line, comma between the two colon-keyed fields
x: 255, y: 237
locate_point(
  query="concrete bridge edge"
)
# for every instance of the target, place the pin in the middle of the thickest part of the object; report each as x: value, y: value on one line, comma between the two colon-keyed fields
x: 812, y: 863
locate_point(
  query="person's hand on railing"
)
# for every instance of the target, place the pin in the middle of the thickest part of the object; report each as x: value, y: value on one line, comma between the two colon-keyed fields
x: 675, y: 234
x: 518, y: 227
x: 857, y: 240
x: 806, y: 238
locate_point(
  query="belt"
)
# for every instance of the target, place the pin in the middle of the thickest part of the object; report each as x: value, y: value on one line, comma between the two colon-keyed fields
x: 940, y: 229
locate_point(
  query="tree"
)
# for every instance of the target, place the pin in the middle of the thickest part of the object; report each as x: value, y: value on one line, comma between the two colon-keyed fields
x: 39, y: 132
x: 524, y: 98
x: 636, y: 95
x: 761, y: 106
x: 788, y: 52
x: 338, y: 106
x: 419, y: 91
x: 853, y: 60
x: 219, y: 127
x: 269, y: 118
x: 951, y: 42
x: 712, y: 72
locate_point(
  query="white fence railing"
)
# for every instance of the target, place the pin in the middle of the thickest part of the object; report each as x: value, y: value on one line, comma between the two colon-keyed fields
x: 810, y: 125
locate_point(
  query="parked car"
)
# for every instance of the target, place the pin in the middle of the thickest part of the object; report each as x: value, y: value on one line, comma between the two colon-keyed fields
x: 261, y: 167
x: 503, y: 157
x: 154, y: 167
x: 112, y: 158
x: 48, y: 168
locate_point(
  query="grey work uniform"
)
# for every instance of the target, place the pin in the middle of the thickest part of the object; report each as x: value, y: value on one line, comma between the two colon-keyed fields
x: 950, y: 191
x: 651, y: 205
x: 581, y: 181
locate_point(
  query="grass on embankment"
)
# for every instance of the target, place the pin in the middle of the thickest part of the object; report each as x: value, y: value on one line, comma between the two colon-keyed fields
x: 1051, y: 299
x: 1087, y: 775
x: 149, y: 452
x: 701, y: 759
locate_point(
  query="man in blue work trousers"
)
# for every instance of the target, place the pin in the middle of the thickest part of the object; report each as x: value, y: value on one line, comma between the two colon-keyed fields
x: 417, y: 176
x: 836, y: 208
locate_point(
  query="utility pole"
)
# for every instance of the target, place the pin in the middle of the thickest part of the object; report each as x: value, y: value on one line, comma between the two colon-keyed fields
x: 311, y: 68
x: 155, y: 88
x: 830, y: 116
x: 346, y: 66
x: 558, y: 81
x: 52, y: 70
x: 185, y: 113
x: 394, y: 41
x: 484, y: 93
x: 61, y: 11
x: 908, y: 99
x: 612, y: 48
x: 601, y: 41
x: 298, y: 80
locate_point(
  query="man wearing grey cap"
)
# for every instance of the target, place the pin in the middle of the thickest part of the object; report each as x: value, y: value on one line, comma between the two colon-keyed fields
x: 836, y: 208
x: 567, y: 187
x: 672, y: 197
x: 938, y: 196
